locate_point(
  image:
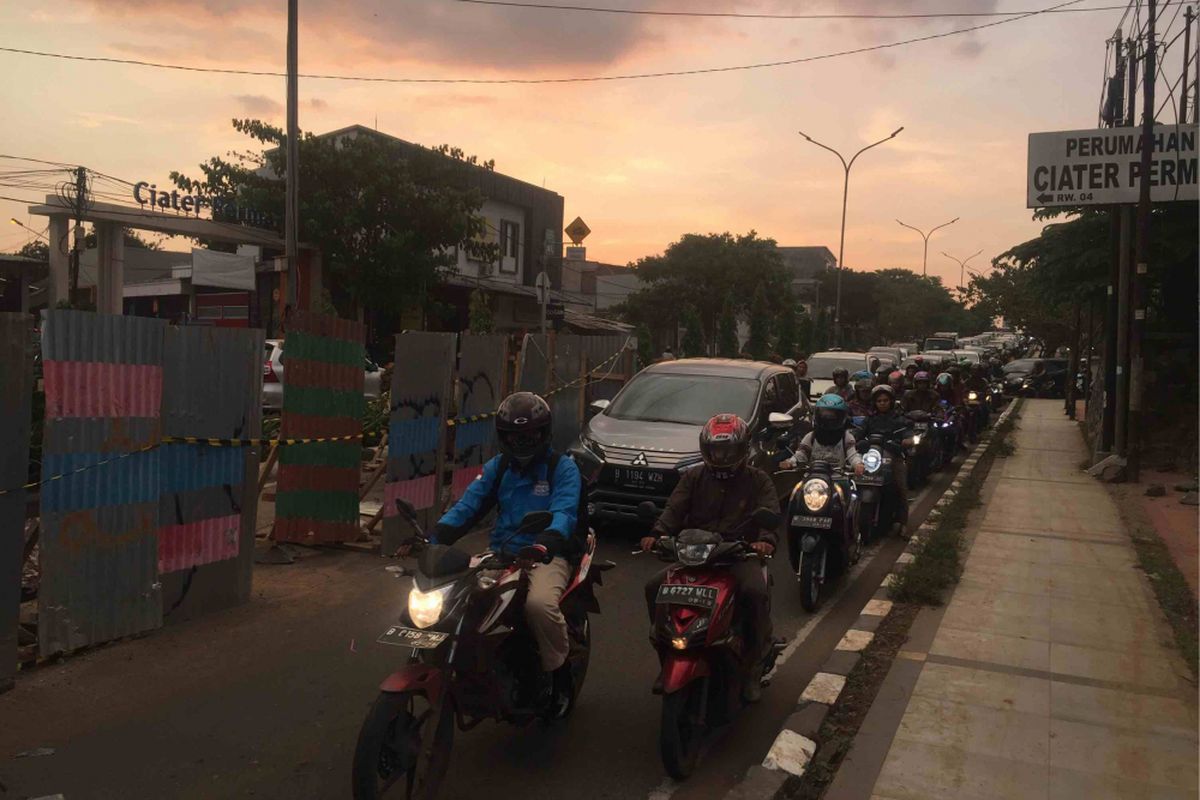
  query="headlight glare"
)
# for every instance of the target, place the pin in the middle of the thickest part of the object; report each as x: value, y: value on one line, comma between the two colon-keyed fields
x: 816, y: 494
x: 916, y: 439
x: 693, y: 555
x: 425, y: 608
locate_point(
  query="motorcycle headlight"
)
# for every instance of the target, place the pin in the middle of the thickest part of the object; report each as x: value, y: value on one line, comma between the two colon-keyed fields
x: 816, y: 494
x: 693, y: 555
x: 972, y: 395
x: 872, y: 460
x: 916, y: 439
x: 425, y: 608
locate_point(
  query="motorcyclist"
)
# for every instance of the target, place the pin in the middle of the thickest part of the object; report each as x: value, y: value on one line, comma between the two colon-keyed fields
x: 829, y: 440
x: 897, y: 382
x: 910, y: 375
x: 860, y: 403
x: 881, y: 375
x: 523, y: 424
x: 978, y: 383
x: 897, y: 435
x: 802, y: 378
x: 841, y: 384
x: 921, y: 397
x: 720, y: 496
x: 950, y: 396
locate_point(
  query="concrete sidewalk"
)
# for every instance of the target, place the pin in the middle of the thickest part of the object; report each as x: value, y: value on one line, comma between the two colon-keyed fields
x: 1051, y: 672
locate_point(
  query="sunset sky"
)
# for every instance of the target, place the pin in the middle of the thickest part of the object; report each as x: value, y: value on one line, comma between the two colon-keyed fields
x: 642, y: 161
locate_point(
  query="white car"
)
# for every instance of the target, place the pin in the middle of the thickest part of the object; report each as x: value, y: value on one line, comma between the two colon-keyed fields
x: 272, y: 396
x: 822, y: 365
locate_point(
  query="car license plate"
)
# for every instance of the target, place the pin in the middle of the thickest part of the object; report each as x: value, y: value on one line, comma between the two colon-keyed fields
x: 633, y: 478
x: 682, y: 594
x: 408, y: 637
x: 869, y: 480
x: 801, y: 521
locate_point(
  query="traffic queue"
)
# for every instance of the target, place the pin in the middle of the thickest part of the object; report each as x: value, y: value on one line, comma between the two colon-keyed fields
x: 711, y: 460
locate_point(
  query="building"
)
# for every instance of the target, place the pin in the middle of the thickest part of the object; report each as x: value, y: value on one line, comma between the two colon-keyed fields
x: 601, y: 285
x: 22, y: 282
x: 805, y: 264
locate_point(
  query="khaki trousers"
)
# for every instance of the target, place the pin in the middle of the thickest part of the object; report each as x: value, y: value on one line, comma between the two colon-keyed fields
x: 547, y: 582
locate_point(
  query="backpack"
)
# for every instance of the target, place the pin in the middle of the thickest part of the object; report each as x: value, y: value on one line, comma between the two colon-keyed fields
x: 577, y: 541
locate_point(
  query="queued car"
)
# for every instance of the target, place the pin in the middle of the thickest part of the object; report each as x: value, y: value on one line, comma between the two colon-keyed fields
x: 892, y: 355
x: 272, y: 393
x: 822, y: 365
x: 1054, y: 371
x: 635, y: 447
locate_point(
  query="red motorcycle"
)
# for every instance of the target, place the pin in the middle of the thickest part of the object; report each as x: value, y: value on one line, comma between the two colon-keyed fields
x: 699, y: 639
x: 472, y: 658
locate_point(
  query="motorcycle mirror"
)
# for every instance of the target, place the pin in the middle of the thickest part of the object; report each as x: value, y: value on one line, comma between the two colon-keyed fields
x: 766, y: 518
x: 647, y: 512
x: 406, y: 509
x: 536, y: 521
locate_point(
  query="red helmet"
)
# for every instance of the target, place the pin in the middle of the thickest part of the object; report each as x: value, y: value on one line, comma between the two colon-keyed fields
x: 725, y: 445
x: 896, y: 380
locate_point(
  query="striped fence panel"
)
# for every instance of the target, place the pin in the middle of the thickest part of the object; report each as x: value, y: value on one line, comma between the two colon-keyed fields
x: 420, y: 392
x: 316, y: 499
x: 99, y: 543
x: 212, y: 388
x: 481, y: 377
x: 15, y: 392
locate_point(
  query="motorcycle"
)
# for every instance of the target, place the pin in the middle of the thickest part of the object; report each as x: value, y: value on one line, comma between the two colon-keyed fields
x: 977, y: 410
x: 947, y: 422
x: 823, y: 540
x: 699, y: 641
x: 471, y: 658
x: 876, y: 501
x: 927, y: 451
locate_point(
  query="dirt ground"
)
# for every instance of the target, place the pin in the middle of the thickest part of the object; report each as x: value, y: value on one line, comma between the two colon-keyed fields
x: 1177, y: 524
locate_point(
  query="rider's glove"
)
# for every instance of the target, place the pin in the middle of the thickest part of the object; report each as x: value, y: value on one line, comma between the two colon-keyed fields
x: 534, y: 553
x: 551, y: 542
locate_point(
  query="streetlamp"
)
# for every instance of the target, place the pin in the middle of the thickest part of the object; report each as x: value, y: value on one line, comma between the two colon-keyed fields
x: 962, y: 265
x: 925, y: 236
x: 846, y: 165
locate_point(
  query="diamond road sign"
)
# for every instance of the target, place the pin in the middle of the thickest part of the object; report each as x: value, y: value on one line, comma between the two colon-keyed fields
x: 1098, y: 167
x: 578, y: 230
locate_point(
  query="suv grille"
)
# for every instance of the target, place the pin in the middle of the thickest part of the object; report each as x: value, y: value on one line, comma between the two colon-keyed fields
x: 656, y: 459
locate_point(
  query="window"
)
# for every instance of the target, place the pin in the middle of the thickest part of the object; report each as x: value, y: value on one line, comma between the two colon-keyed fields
x: 789, y: 391
x: 510, y: 243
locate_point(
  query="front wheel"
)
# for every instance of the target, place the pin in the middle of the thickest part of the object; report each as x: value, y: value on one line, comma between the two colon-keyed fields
x: 866, y: 521
x: 579, y: 658
x: 810, y: 581
x: 403, y: 747
x: 682, y: 731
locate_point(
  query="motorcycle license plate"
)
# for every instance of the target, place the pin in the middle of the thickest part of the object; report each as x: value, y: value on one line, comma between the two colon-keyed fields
x: 633, y: 478
x: 800, y: 521
x: 682, y: 594
x: 870, y: 480
x: 409, y: 637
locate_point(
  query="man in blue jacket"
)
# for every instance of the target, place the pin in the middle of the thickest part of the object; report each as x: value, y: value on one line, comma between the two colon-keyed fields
x: 528, y: 476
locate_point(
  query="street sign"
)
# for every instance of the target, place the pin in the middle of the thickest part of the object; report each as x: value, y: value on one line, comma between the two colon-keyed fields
x: 556, y: 312
x: 1103, y: 166
x: 578, y: 230
x: 542, y: 285
x: 576, y: 253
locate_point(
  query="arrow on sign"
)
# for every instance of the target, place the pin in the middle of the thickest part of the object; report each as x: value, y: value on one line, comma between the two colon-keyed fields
x: 1043, y: 198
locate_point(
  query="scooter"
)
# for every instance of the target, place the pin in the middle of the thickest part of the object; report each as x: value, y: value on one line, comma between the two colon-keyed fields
x: 470, y: 657
x: 876, y: 508
x: 926, y: 452
x: 699, y: 641
x: 823, y: 540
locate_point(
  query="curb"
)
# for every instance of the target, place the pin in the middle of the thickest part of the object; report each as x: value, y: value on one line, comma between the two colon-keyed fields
x: 796, y: 742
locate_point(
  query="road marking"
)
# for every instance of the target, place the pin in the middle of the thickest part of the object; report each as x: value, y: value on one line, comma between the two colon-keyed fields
x: 791, y: 752
x: 824, y: 688
x: 855, y: 641
x: 904, y: 558
x: 878, y: 608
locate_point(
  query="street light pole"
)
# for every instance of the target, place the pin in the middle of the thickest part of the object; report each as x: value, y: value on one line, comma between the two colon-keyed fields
x: 925, y: 236
x: 962, y: 265
x: 846, y: 165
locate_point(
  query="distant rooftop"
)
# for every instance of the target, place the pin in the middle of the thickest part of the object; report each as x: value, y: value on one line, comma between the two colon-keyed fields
x: 806, y: 262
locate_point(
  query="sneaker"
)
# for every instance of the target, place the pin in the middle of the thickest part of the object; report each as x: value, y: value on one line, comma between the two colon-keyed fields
x: 562, y: 683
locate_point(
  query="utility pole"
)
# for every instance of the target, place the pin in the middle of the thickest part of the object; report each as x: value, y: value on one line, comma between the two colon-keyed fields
x: 291, y: 218
x: 1113, y: 117
x: 962, y: 265
x: 1187, y: 55
x: 1142, y: 254
x: 1121, y: 416
x: 925, y: 236
x: 846, y: 165
x: 79, y: 204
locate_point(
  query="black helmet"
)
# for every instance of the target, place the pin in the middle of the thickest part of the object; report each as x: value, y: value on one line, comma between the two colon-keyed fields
x: 862, y: 385
x: 841, y: 372
x: 725, y: 445
x: 523, y: 424
x: 881, y: 375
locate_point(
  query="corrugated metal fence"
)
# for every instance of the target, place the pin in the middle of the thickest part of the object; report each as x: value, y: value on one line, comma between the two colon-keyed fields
x: 15, y: 392
x: 317, y: 494
x: 482, y: 361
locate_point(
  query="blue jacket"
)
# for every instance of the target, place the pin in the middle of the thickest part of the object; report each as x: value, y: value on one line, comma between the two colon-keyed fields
x: 521, y: 491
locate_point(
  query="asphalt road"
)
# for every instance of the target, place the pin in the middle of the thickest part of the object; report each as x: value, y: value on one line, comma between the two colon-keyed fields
x: 265, y: 700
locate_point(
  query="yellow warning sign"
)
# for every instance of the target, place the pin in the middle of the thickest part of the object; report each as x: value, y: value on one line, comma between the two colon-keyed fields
x: 578, y: 230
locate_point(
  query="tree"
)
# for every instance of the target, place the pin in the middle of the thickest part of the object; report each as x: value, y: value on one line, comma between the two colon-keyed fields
x: 727, y: 338
x: 805, y: 334
x: 705, y: 271
x: 693, y: 338
x: 386, y: 217
x: 759, y: 344
x: 785, y: 340
x: 480, y: 311
x: 36, y: 249
x: 645, y: 345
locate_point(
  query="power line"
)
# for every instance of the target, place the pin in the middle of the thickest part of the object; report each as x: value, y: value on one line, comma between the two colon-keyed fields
x: 539, y: 81
x: 648, y: 12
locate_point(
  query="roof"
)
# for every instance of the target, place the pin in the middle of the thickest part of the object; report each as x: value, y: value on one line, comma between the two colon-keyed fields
x: 806, y: 261
x: 725, y: 367
x: 13, y: 258
x: 838, y: 354
x: 141, y: 265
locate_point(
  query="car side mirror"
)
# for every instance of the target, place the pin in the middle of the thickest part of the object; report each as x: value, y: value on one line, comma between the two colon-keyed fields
x: 766, y: 518
x: 647, y: 512
x: 536, y: 521
x: 780, y: 421
x: 599, y: 406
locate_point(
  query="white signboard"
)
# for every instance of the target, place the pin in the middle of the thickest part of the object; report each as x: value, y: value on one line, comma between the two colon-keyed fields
x: 223, y: 270
x: 1098, y: 167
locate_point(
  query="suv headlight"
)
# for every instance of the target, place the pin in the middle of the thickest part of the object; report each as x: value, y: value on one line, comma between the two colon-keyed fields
x: 816, y: 494
x: 592, y: 446
x: 425, y: 608
x: 872, y: 460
